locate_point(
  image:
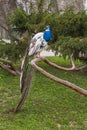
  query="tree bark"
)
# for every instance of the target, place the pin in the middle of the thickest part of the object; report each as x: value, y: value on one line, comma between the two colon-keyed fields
x: 9, y: 70
x: 26, y: 90
x: 56, y: 6
x: 73, y: 67
x: 5, y: 28
x: 8, y: 66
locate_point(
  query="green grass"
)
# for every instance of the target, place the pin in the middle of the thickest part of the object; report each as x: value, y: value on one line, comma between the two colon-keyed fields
x: 49, y: 105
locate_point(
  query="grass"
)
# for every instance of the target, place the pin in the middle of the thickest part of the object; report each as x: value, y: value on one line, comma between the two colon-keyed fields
x: 49, y: 105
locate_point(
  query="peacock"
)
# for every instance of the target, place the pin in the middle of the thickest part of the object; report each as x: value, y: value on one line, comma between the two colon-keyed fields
x: 40, y: 42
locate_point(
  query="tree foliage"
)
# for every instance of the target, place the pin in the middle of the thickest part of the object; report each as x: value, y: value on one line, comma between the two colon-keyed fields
x: 69, y: 29
x: 69, y: 32
x: 69, y: 45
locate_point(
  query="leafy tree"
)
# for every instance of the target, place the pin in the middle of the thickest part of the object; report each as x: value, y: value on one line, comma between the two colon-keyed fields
x: 69, y: 32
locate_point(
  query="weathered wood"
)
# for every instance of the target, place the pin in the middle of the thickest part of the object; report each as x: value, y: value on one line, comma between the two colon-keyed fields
x: 23, y: 70
x: 26, y: 90
x: 7, y: 62
x: 58, y: 80
x: 73, y: 67
x: 9, y: 70
x: 9, y: 66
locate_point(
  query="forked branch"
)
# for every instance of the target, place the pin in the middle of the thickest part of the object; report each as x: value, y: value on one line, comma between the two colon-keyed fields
x: 58, y: 80
x: 26, y: 85
x: 73, y: 67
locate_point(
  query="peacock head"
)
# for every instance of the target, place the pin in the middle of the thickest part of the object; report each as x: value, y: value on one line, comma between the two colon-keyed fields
x: 47, y: 27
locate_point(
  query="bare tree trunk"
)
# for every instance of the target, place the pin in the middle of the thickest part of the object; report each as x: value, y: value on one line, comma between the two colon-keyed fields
x: 56, y: 6
x: 4, y: 27
x: 12, y: 4
x: 79, y: 4
x: 5, y: 7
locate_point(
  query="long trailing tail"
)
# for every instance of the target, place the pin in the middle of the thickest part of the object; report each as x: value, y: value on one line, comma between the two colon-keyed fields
x: 23, y: 69
x: 25, y: 90
x: 25, y: 79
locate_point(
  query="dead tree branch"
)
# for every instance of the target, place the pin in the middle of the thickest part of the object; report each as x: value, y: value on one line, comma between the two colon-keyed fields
x: 9, y: 66
x: 9, y: 70
x: 58, y: 80
x: 73, y: 67
x: 25, y: 84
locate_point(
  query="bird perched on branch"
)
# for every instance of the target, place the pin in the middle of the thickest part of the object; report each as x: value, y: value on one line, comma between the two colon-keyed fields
x: 40, y: 42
